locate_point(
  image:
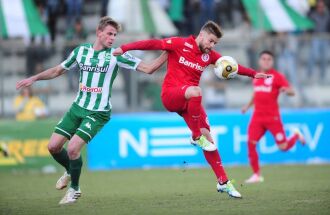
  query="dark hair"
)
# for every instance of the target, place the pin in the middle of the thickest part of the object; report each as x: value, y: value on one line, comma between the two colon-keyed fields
x: 266, y: 52
x: 105, y: 21
x: 213, y: 28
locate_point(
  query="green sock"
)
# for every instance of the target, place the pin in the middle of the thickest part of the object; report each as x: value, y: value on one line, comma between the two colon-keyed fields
x: 63, y: 159
x: 75, y: 170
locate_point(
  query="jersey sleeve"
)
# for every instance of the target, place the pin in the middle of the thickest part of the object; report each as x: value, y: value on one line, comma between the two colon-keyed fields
x: 172, y: 43
x: 168, y: 44
x: 71, y: 61
x: 246, y: 71
x: 215, y: 56
x: 128, y: 61
x: 282, y: 81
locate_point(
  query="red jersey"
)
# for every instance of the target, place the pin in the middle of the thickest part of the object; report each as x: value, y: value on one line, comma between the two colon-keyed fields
x: 266, y: 93
x: 185, y: 60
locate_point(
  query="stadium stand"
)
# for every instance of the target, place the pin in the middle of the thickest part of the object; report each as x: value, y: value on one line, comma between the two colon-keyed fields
x: 313, y: 93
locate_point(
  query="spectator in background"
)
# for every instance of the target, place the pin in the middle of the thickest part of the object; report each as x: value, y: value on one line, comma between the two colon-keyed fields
x: 52, y: 8
x: 73, y: 10
x: 45, y: 39
x: 104, y: 7
x: 192, y: 12
x: 35, y: 53
x: 207, y: 11
x: 319, y: 41
x: 75, y: 35
x: 286, y: 46
x: 29, y: 107
x: 176, y: 13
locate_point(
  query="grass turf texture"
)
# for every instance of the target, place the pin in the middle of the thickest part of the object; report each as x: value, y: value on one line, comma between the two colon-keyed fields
x: 286, y: 190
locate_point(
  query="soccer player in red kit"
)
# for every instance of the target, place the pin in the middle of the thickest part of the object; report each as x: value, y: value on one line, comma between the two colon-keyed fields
x: 266, y: 115
x: 187, y: 59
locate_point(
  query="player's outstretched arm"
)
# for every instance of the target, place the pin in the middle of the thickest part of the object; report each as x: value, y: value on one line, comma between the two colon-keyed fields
x: 45, y: 75
x: 152, y: 44
x: 150, y: 68
x: 248, y: 105
x: 251, y: 72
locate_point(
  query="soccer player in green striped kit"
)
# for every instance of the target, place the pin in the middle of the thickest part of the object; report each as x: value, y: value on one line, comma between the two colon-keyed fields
x: 92, y: 107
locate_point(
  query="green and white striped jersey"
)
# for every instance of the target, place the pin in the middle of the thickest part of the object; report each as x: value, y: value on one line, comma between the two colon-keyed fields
x: 98, y: 70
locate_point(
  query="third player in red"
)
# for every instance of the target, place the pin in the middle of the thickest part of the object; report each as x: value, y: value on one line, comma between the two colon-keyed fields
x: 266, y: 115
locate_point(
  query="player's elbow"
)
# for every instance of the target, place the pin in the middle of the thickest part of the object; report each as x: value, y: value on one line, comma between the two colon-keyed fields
x: 58, y: 70
x: 147, y: 70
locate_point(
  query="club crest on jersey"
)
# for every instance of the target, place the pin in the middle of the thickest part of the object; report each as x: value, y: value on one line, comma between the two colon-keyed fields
x: 205, y: 57
x: 94, y: 60
x: 268, y: 81
x: 107, y: 56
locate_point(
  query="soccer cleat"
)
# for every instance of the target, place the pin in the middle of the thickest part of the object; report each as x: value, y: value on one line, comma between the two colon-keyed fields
x: 203, y: 143
x: 255, y: 178
x: 229, y: 188
x: 4, y: 149
x: 78, y: 193
x: 71, y: 196
x: 301, y: 137
x: 63, y: 181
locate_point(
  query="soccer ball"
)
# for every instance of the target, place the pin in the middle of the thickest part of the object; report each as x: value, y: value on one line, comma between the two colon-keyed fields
x: 226, y: 67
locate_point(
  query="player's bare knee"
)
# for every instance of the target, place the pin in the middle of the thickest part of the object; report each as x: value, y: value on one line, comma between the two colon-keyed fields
x: 73, y: 152
x: 252, y: 142
x: 54, y: 148
x: 282, y: 146
x: 195, y: 91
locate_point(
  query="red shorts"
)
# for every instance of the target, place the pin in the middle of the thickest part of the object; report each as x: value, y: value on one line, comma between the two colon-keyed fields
x: 259, y: 125
x: 174, y: 100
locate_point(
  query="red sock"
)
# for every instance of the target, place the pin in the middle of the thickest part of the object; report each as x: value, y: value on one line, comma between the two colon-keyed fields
x: 253, y: 157
x: 292, y: 140
x: 214, y: 160
x: 194, y: 113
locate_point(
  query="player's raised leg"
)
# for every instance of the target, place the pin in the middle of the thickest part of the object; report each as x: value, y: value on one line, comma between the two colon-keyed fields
x: 74, y: 148
x: 194, y: 96
x: 283, y: 143
x: 58, y: 152
x: 214, y: 160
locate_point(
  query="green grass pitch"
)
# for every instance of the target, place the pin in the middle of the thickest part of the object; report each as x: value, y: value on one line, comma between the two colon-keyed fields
x: 287, y: 190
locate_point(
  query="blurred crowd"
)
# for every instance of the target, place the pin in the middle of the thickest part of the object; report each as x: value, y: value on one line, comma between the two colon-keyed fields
x: 188, y: 16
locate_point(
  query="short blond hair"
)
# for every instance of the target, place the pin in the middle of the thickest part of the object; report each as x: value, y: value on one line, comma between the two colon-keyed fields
x: 105, y: 21
x: 213, y: 28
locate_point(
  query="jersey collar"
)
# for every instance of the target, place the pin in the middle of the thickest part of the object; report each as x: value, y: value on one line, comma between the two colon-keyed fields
x: 192, y: 40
